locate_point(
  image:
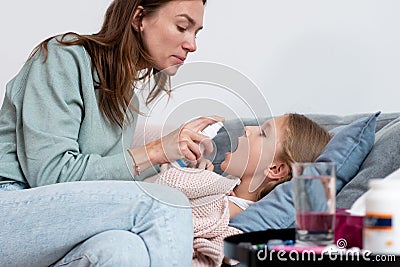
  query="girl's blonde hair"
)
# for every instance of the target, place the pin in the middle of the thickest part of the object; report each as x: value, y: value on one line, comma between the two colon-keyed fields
x: 118, y: 54
x: 304, y: 142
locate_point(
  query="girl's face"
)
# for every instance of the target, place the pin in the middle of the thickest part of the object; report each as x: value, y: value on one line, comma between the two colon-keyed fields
x: 170, y: 33
x: 256, y: 149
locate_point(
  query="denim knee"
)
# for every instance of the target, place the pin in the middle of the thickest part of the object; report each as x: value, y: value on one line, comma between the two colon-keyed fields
x: 108, y: 249
x: 11, y: 186
x: 168, y: 230
x: 165, y: 194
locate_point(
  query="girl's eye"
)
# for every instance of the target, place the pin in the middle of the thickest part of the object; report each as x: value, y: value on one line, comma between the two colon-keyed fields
x: 263, y: 133
x: 181, y: 29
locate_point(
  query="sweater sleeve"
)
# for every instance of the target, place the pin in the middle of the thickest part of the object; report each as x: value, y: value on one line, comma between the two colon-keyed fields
x: 52, y: 109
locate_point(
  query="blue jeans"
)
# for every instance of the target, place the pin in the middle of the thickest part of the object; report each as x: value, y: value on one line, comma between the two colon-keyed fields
x: 95, y: 223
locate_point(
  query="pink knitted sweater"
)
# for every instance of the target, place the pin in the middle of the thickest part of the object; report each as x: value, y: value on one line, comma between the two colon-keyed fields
x: 207, y: 193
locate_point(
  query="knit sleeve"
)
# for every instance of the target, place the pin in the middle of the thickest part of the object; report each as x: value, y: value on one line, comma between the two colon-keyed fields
x: 197, y: 184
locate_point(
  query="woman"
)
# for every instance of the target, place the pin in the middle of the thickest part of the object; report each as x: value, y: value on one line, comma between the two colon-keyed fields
x: 63, y: 119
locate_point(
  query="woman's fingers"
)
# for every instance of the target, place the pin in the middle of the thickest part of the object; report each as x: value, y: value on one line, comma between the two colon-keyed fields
x: 203, y: 144
x: 193, y: 128
x: 185, y: 142
x: 190, y: 150
x: 202, y: 122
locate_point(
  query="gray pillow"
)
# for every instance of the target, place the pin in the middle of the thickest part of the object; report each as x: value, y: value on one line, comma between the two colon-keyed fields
x: 383, y: 159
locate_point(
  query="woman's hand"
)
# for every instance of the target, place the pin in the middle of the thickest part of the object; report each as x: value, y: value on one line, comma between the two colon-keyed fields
x: 184, y: 142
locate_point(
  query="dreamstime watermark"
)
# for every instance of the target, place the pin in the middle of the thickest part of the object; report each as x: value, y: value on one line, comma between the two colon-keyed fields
x: 330, y: 253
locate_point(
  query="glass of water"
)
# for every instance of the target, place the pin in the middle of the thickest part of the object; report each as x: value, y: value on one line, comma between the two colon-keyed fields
x: 314, y: 202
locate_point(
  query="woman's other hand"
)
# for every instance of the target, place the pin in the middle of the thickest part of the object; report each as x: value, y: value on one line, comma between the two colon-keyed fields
x: 205, y: 164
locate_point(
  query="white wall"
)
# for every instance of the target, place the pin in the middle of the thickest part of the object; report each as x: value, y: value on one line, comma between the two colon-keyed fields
x: 24, y: 24
x: 307, y: 56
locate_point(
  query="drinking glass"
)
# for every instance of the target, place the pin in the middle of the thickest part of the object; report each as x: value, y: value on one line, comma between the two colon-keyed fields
x: 315, y: 202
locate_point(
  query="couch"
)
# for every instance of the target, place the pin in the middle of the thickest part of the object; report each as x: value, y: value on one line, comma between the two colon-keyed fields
x: 383, y: 156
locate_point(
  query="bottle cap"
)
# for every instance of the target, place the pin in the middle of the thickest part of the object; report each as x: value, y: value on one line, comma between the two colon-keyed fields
x: 212, y: 130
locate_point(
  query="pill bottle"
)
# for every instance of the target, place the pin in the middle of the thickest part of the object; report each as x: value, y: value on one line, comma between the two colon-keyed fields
x: 381, y: 231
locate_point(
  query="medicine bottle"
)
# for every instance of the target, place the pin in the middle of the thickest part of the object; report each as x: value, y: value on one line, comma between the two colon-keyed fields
x: 381, y: 232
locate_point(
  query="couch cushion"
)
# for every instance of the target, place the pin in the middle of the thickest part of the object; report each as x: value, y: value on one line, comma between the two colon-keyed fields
x: 330, y: 122
x: 382, y: 160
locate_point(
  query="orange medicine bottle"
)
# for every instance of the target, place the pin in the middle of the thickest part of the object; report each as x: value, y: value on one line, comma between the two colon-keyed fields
x: 381, y: 231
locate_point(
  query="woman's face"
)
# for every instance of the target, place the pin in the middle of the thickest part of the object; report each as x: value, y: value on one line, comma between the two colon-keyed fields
x: 170, y: 33
x: 256, y: 149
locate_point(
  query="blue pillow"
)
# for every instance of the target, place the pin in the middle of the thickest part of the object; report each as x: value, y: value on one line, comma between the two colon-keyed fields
x: 348, y: 149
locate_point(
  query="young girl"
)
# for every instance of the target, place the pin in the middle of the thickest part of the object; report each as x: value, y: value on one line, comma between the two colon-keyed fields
x: 269, y: 151
x: 261, y: 161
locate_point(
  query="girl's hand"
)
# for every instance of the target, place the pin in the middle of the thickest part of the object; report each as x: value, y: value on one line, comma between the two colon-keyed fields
x: 205, y: 164
x: 183, y: 143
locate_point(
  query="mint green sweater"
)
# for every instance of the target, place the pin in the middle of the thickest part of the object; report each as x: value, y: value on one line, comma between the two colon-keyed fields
x: 51, y: 129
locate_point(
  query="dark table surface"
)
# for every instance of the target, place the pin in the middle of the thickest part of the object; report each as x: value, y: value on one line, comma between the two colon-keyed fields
x: 242, y: 248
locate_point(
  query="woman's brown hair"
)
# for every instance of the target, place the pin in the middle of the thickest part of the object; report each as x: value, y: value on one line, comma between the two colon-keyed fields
x: 304, y: 142
x: 119, y: 57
